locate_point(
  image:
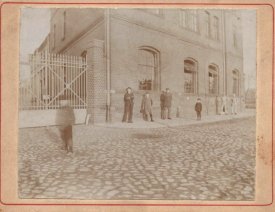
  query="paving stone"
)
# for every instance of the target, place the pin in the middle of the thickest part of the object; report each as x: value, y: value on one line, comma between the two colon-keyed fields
x: 204, y: 162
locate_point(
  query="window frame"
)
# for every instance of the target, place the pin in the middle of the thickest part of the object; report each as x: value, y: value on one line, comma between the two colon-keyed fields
x: 214, y: 70
x: 149, y: 11
x: 194, y: 73
x: 208, y: 24
x: 64, y: 16
x: 191, y: 20
x: 216, y: 28
x: 156, y: 81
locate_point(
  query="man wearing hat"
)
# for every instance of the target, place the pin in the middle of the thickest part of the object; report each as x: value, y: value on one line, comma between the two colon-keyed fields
x: 168, y: 102
x: 146, y: 107
x: 128, y: 106
x: 198, y: 108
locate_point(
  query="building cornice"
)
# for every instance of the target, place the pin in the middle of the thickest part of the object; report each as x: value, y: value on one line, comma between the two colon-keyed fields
x: 166, y: 32
x: 82, y: 34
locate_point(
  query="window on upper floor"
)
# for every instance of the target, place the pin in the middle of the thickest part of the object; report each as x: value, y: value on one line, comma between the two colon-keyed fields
x: 189, y: 19
x: 216, y: 28
x: 54, y: 35
x: 63, y: 25
x: 208, y: 24
x: 235, y: 37
x: 183, y: 18
x: 154, y: 11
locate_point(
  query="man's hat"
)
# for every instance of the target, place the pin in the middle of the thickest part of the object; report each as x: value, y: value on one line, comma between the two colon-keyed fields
x: 128, y: 88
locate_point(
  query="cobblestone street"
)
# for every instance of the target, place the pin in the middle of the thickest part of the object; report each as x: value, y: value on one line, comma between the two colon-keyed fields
x: 214, y: 161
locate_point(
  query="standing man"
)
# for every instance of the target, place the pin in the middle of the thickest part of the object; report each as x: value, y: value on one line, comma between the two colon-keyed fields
x: 234, y: 105
x: 162, y: 105
x: 146, y: 107
x: 128, y: 106
x: 168, y: 102
x: 65, y: 118
x: 198, y: 108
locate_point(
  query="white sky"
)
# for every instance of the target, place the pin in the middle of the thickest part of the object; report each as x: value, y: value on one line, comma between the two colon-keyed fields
x: 35, y: 25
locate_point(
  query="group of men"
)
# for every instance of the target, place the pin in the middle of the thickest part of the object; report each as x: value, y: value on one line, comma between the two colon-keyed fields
x: 165, y: 104
x: 147, y: 103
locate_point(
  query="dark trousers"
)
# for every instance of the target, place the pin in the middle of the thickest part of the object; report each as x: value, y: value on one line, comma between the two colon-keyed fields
x: 162, y: 112
x: 128, y: 113
x: 198, y: 115
x: 146, y: 116
x: 168, y: 111
x: 67, y: 137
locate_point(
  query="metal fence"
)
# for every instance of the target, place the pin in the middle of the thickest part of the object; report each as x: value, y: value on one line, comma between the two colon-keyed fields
x: 54, y: 78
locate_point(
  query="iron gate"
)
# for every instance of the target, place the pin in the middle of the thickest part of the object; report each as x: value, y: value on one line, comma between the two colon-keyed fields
x: 54, y: 78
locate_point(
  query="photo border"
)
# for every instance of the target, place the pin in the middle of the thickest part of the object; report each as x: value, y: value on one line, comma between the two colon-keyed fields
x: 134, y: 4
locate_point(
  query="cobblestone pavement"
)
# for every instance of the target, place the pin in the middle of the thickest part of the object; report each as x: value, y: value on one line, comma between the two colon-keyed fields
x: 205, y: 162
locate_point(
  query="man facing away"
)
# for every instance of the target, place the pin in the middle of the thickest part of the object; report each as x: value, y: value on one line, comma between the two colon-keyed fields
x: 198, y: 108
x: 168, y: 102
x: 128, y: 106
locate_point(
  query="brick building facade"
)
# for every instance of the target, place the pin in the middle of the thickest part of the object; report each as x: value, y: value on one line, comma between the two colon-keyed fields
x: 195, y: 53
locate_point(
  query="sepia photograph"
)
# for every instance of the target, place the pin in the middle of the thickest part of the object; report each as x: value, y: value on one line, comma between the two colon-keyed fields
x: 137, y: 104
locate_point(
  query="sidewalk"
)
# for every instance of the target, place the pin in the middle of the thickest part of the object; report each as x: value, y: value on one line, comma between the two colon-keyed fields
x: 158, y: 123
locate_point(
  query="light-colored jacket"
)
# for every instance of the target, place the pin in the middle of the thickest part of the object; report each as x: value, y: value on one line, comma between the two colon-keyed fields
x: 146, y: 105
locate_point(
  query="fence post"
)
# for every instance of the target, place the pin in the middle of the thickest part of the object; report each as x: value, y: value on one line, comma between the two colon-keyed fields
x: 96, y: 82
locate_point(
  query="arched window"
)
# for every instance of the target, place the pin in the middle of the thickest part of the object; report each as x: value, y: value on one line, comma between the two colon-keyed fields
x: 190, y: 76
x: 236, y: 82
x: 148, y: 69
x: 213, y: 79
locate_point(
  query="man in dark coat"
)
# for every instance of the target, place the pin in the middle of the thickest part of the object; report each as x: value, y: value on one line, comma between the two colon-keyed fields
x: 198, y: 108
x: 162, y: 103
x: 65, y: 118
x: 128, y: 106
x: 168, y: 102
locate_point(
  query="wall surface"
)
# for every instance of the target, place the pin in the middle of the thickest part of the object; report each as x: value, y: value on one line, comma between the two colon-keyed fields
x: 131, y: 29
x: 38, y: 118
x: 128, y: 34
